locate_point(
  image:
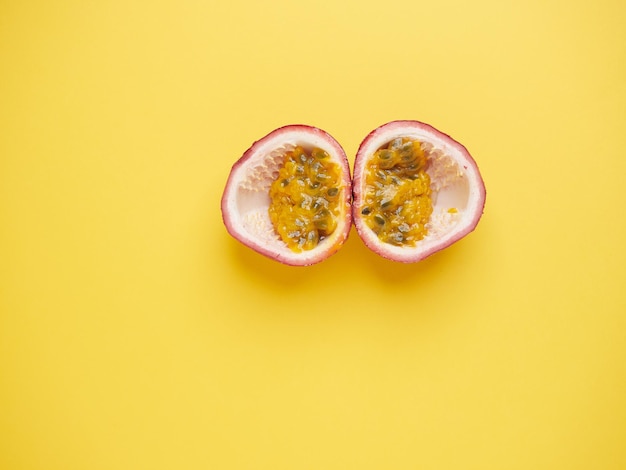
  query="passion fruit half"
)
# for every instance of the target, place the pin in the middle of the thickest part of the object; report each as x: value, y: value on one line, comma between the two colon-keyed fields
x: 416, y: 191
x: 289, y: 196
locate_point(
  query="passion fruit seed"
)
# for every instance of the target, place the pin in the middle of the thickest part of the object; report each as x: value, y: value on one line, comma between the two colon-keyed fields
x: 304, y: 198
x: 397, y: 193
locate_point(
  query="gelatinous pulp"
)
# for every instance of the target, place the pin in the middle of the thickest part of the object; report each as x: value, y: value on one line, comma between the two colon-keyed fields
x: 305, y: 198
x: 397, y: 203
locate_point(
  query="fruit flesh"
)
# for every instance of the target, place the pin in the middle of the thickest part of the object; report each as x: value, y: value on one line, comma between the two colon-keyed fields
x: 305, y: 198
x: 397, y: 204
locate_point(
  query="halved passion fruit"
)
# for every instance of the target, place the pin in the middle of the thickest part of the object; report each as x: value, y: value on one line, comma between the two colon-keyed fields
x: 288, y: 197
x: 416, y: 191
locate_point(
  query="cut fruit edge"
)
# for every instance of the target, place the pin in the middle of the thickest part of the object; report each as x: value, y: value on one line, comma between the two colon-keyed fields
x: 246, y: 200
x: 456, y: 183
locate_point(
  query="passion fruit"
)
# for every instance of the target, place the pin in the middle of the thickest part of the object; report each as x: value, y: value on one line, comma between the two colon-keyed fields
x: 289, y: 196
x: 416, y: 191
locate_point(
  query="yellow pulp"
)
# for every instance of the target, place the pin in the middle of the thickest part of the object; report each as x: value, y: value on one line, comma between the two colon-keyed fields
x: 397, y: 203
x: 305, y: 198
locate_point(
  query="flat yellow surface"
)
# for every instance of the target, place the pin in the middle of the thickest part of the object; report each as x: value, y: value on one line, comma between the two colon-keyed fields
x: 135, y: 333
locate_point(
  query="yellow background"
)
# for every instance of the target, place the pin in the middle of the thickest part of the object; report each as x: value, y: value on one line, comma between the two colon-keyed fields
x: 135, y: 333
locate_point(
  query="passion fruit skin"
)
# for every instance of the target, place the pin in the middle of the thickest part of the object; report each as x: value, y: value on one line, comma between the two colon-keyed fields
x: 468, y: 189
x: 245, y: 200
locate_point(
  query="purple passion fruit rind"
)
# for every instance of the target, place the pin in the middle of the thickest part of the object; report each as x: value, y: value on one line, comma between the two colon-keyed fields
x: 416, y: 191
x: 318, y: 218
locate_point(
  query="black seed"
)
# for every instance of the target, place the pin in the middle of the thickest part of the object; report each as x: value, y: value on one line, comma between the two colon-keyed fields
x: 332, y: 192
x: 384, y: 154
x: 379, y: 219
x: 395, y: 143
x: 366, y: 211
x: 321, y: 224
x: 321, y: 214
x: 319, y: 153
x: 407, y: 147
